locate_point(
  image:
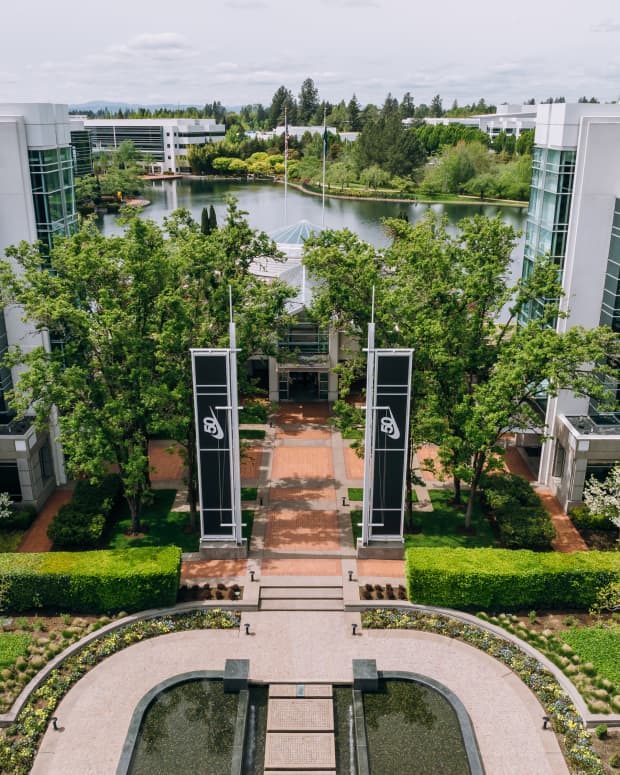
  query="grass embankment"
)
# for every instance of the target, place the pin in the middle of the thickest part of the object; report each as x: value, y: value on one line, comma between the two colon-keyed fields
x: 600, y: 646
x: 445, y: 526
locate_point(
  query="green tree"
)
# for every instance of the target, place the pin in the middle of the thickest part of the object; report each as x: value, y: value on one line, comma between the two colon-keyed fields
x: 282, y: 98
x: 101, y: 298
x: 407, y: 106
x: 436, y: 108
x: 353, y: 115
x: 374, y: 177
x: 475, y: 377
x: 212, y: 219
x: 308, y: 102
x: 196, y: 314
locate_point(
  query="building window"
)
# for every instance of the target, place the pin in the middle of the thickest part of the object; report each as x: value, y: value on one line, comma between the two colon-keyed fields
x: 9, y: 479
x: 45, y: 460
x: 559, y: 460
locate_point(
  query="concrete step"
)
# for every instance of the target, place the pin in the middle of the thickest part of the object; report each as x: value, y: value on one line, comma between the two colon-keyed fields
x: 300, y: 581
x: 301, y: 605
x: 298, y: 772
x: 301, y: 690
x: 321, y: 593
x: 308, y: 714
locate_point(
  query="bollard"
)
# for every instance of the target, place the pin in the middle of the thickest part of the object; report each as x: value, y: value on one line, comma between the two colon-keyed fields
x: 353, y: 629
x: 545, y: 721
x: 55, y: 722
x: 252, y: 575
x: 247, y: 629
x: 350, y: 575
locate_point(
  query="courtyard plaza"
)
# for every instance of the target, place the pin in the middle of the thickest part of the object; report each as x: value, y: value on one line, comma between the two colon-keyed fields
x: 300, y: 608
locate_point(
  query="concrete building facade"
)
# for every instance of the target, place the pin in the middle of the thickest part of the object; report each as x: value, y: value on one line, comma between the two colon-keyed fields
x: 574, y: 216
x: 166, y: 141
x: 37, y: 202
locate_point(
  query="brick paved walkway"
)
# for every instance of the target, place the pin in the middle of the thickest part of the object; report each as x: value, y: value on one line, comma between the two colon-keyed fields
x: 35, y: 539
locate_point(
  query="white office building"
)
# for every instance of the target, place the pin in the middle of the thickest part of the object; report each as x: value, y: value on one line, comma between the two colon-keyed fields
x: 37, y: 202
x: 511, y: 119
x: 574, y: 216
x: 165, y: 141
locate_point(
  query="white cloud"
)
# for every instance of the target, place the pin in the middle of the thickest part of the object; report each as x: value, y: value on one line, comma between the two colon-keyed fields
x: 606, y: 26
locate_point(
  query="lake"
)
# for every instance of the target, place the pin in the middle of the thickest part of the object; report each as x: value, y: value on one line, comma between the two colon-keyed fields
x: 264, y: 203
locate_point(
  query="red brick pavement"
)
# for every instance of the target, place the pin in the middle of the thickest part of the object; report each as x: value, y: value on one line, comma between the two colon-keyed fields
x: 299, y: 530
x: 301, y: 493
x: 302, y: 463
x: 353, y: 464
x: 301, y: 567
x: 213, y: 569
x: 567, y: 538
x: 166, y: 460
x: 251, y: 462
x: 381, y: 568
x: 296, y: 432
x: 35, y: 539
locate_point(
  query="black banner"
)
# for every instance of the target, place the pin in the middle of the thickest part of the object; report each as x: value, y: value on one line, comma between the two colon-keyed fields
x: 391, y: 435
x: 212, y: 396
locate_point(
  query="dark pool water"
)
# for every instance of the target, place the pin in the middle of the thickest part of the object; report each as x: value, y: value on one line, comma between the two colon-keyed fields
x: 256, y: 731
x: 187, y: 730
x: 412, y: 730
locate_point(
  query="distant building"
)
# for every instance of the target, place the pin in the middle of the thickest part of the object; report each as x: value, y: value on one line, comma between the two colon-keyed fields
x: 574, y: 216
x: 299, y: 131
x: 165, y: 141
x: 37, y: 202
x: 511, y: 119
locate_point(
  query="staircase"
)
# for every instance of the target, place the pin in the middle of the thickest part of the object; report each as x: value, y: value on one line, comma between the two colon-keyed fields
x: 284, y: 593
x: 300, y: 730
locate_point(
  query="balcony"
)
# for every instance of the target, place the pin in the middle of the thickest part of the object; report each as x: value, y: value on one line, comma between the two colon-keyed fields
x: 604, y: 424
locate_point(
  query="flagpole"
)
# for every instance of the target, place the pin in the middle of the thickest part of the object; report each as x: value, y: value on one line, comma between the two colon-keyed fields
x: 285, y: 162
x: 324, y: 161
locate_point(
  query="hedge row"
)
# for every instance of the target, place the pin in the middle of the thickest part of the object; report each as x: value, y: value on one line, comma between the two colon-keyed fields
x: 90, y: 582
x: 504, y: 579
x: 82, y: 522
x: 522, y: 520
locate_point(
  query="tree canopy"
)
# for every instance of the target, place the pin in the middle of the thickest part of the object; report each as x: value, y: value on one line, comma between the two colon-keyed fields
x: 477, y: 374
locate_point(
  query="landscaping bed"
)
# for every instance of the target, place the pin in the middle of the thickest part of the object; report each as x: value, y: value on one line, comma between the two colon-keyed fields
x: 380, y: 592
x: 205, y: 591
x: 19, y: 741
x: 575, y: 740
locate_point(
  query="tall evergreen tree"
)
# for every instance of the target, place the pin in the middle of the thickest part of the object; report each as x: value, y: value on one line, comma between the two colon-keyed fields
x: 308, y: 102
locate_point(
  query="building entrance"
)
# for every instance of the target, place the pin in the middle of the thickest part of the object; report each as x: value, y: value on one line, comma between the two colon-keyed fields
x: 303, y: 386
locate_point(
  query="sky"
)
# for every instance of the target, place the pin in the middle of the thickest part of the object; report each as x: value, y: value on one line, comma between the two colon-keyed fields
x: 241, y: 51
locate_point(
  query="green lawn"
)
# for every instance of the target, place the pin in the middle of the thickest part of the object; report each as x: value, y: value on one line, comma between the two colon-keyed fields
x: 249, y: 493
x: 443, y: 526
x: 161, y: 526
x: 357, y: 494
x: 597, y: 645
x: 251, y: 433
x: 13, y: 645
x: 10, y: 540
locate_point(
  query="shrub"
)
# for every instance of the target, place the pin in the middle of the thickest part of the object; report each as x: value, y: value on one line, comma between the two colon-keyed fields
x: 81, y: 523
x: 584, y: 519
x: 72, y: 527
x: 18, y: 518
x: 501, y: 579
x: 522, y: 520
x: 92, y: 582
x: 601, y: 731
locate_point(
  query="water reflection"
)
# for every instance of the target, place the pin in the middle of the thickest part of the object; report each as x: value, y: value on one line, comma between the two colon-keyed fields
x: 264, y: 203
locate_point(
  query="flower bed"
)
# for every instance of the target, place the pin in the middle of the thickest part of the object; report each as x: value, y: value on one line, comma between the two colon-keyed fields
x: 20, y: 741
x: 565, y: 720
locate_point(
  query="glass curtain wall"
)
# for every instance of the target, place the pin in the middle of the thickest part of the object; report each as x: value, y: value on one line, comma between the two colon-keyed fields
x: 553, y: 174
x: 51, y: 176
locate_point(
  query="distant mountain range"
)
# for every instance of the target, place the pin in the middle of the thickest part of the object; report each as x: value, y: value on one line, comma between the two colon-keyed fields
x: 96, y: 105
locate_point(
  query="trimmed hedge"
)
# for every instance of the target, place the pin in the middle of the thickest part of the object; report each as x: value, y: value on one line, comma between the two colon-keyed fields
x: 522, y: 520
x: 583, y: 519
x: 502, y: 579
x: 81, y: 523
x: 91, y: 582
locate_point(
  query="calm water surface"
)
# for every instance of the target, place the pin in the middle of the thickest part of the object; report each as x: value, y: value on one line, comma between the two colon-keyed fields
x: 264, y: 203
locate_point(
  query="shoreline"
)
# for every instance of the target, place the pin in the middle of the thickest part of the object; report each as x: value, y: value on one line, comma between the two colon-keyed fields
x: 398, y: 200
